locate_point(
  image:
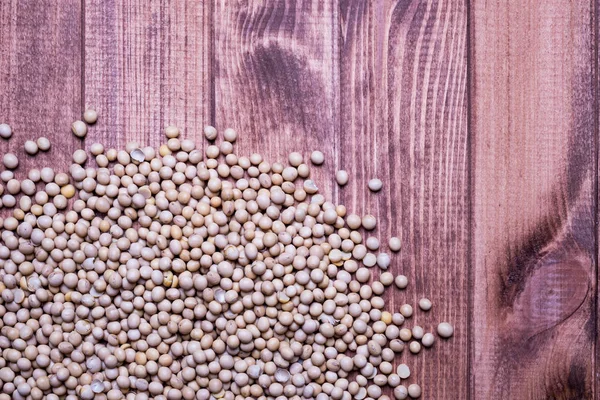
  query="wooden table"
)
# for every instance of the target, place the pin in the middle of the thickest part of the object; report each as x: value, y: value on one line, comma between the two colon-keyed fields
x: 481, y: 118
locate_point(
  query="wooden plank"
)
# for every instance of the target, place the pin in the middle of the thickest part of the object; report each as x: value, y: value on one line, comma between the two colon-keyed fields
x: 40, y: 78
x: 534, y: 200
x: 147, y: 66
x: 404, y: 121
x: 276, y: 79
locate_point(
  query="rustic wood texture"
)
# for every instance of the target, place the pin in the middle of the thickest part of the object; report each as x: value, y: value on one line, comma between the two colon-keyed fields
x: 40, y: 79
x: 277, y: 79
x: 404, y: 121
x: 147, y: 66
x: 496, y: 209
x: 534, y: 200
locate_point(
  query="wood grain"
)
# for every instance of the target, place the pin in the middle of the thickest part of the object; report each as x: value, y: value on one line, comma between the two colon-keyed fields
x: 404, y: 121
x: 533, y: 165
x: 147, y: 66
x: 40, y: 78
x: 497, y: 220
x: 277, y: 79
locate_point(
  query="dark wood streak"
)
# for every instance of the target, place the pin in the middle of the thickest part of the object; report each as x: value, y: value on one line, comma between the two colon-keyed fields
x: 275, y: 79
x: 522, y: 260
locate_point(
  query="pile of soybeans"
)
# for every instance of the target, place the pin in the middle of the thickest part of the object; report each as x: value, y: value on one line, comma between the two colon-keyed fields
x: 173, y: 273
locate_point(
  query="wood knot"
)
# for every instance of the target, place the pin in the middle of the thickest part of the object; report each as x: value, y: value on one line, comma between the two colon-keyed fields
x: 550, y: 294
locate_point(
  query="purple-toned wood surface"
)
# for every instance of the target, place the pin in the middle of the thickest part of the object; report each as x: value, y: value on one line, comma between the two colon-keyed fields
x: 480, y: 117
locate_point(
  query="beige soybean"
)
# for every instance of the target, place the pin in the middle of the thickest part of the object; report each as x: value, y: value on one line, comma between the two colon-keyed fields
x: 369, y: 222
x: 96, y: 149
x: 180, y: 273
x: 428, y: 339
x: 79, y: 129
x: 425, y: 304
x: 90, y: 116
x: 417, y: 332
x: 372, y: 243
x: 401, y: 392
x: 386, y: 278
x: 401, y: 281
x: 395, y: 244
x: 403, y: 371
x: 79, y: 157
x: 375, y: 185
x: 295, y: 159
x: 43, y: 143
x: 405, y: 334
x: 10, y: 161
x: 383, y: 260
x: 406, y: 310
x: 5, y: 131
x: 414, y: 391
x: 414, y: 347
x: 317, y: 157
x: 210, y: 132
x: 445, y: 330
x: 229, y: 135
x: 341, y: 177
x: 30, y: 147
x: 172, y: 132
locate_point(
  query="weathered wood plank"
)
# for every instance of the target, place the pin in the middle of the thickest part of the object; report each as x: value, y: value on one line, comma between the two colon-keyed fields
x: 147, y: 66
x: 533, y: 200
x: 276, y: 79
x: 40, y: 78
x: 404, y: 121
